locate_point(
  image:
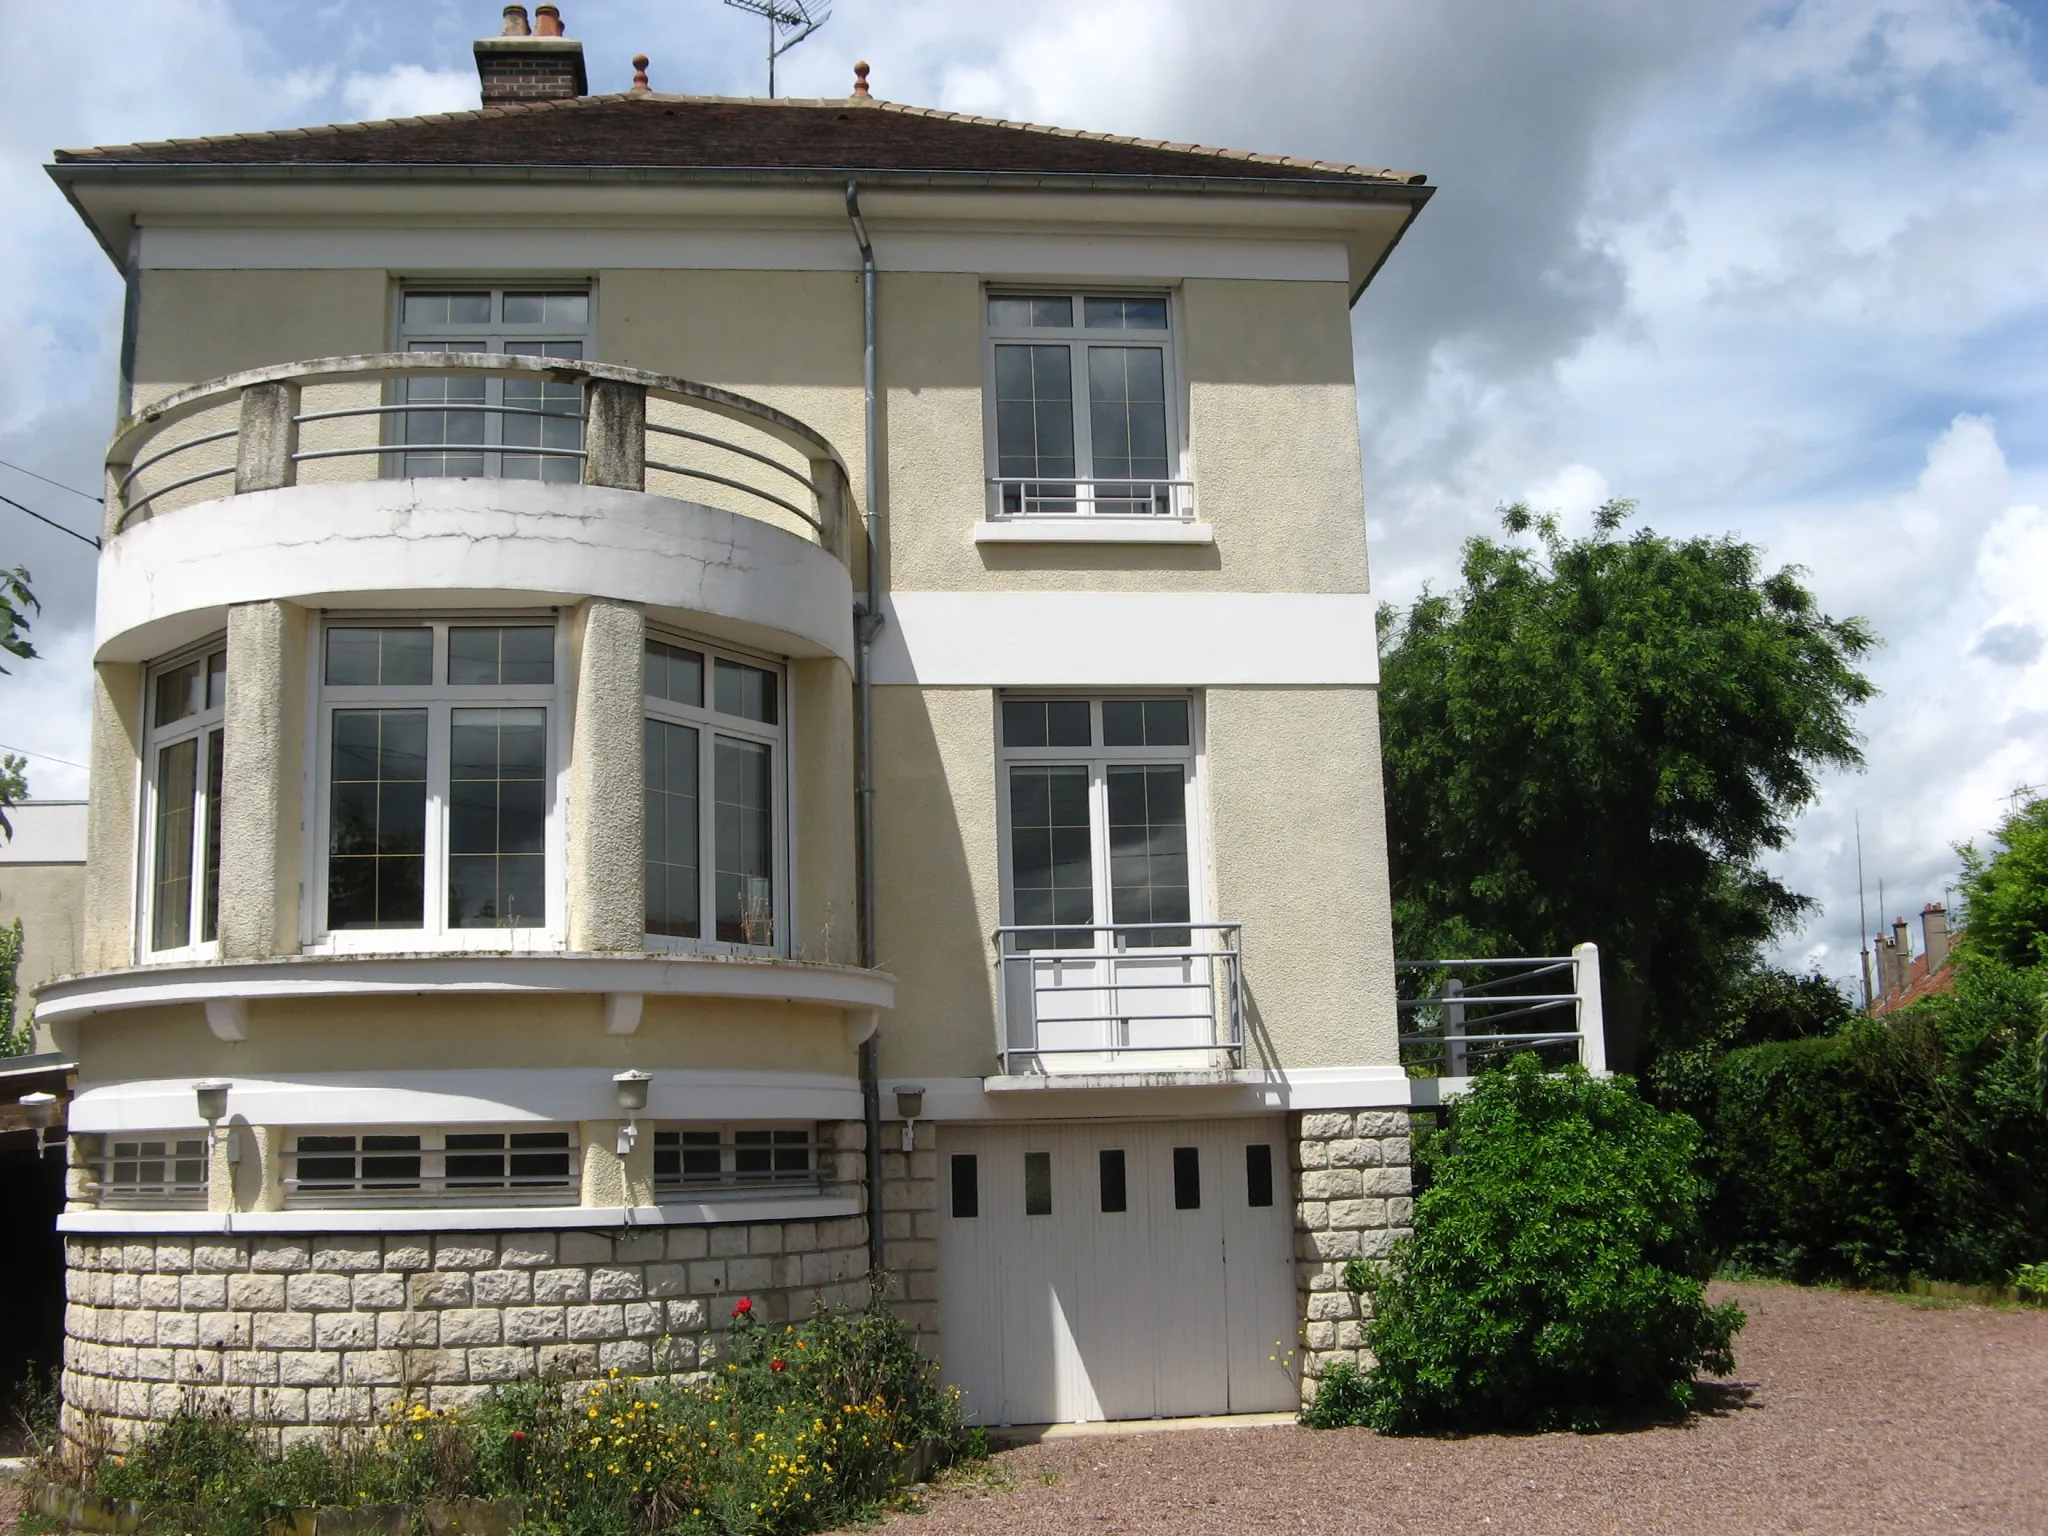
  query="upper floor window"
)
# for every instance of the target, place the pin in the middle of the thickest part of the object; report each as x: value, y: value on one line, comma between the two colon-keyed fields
x: 437, y: 792
x: 187, y: 700
x: 514, y: 429
x: 1080, y: 390
x: 714, y: 736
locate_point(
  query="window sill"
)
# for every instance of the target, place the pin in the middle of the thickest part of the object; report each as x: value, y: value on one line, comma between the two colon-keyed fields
x: 1092, y: 530
x: 467, y: 1218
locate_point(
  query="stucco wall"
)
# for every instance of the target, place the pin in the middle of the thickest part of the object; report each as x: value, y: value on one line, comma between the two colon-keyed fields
x: 607, y: 809
x: 262, y: 755
x: 827, y: 883
x: 110, y: 862
x: 199, y: 325
x: 49, y: 902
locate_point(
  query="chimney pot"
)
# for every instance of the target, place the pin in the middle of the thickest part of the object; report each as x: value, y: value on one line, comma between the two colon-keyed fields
x: 515, y: 22
x: 547, y: 21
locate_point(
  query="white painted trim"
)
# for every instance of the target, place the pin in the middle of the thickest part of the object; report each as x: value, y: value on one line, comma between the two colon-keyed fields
x: 467, y: 1096
x: 155, y: 986
x: 1093, y: 530
x: 1151, y: 1095
x: 1128, y: 640
x: 549, y: 251
x: 559, y: 1218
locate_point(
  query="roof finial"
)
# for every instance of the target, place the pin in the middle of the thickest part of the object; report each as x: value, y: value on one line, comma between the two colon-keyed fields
x: 640, y: 72
x: 860, y: 78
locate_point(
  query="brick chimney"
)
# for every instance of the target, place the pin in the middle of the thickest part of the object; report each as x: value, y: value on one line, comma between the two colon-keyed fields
x: 530, y: 62
x: 1934, y: 929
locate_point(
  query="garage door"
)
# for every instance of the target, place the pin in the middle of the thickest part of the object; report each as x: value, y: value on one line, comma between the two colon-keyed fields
x: 1116, y: 1270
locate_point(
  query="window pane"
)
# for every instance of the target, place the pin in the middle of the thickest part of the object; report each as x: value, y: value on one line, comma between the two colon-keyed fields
x: 1127, y: 423
x: 380, y: 658
x: 492, y: 655
x: 1112, y: 1168
x: 558, y: 426
x: 438, y: 428
x: 966, y: 1172
x: 1037, y: 1183
x: 178, y: 693
x: 1051, y: 863
x: 547, y: 309
x: 672, y: 830
x: 1046, y: 723
x: 674, y: 673
x: 1008, y: 313
x: 497, y: 818
x: 748, y: 692
x: 1124, y: 314
x: 1148, y: 853
x: 177, y: 796
x: 1144, y: 722
x: 742, y: 878
x: 376, y: 861
x: 448, y: 309
x: 1035, y: 427
x: 209, y: 894
x: 1258, y: 1174
x: 217, y: 680
x: 1187, y: 1179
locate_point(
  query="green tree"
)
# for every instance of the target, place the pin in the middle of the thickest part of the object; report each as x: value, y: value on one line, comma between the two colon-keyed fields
x: 2007, y: 891
x: 1600, y: 738
x: 16, y: 1039
x: 16, y: 602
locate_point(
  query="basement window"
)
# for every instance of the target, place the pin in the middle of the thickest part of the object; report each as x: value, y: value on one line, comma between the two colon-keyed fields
x: 465, y: 1166
x: 706, y: 1160
x: 153, y: 1171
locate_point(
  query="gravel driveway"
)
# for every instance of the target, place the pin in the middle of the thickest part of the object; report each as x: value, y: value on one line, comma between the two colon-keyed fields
x: 1847, y: 1414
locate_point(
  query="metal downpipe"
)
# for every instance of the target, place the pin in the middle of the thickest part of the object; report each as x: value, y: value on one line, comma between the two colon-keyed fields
x: 867, y: 618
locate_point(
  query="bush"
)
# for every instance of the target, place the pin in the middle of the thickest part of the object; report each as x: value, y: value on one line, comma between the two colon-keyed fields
x: 1556, y: 1273
x: 800, y: 1428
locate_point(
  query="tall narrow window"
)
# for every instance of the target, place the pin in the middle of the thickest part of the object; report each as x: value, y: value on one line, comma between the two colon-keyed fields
x: 186, y: 751
x: 439, y: 787
x: 713, y: 734
x: 1037, y: 1183
x: 1081, y: 413
x: 1110, y: 1167
x: 1258, y: 1173
x: 1187, y: 1178
x: 966, y: 1176
x: 517, y: 428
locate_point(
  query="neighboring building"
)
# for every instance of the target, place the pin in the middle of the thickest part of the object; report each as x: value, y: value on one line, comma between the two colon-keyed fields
x: 491, y: 703
x: 1904, y: 978
x: 42, y: 886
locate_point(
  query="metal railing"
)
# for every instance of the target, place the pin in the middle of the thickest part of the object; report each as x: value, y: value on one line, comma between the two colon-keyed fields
x: 786, y: 465
x: 151, y: 1173
x: 709, y: 1163
x: 1459, y: 1016
x: 1106, y: 996
x: 1013, y: 496
x: 400, y: 1168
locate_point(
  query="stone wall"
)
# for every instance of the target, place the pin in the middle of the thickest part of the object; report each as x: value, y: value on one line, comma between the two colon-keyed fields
x: 1351, y: 1200
x: 910, y: 1231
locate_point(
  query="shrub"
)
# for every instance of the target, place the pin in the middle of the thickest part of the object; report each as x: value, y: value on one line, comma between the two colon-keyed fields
x: 1556, y: 1272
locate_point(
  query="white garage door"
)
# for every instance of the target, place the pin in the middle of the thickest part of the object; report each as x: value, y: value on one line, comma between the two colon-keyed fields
x: 1116, y: 1271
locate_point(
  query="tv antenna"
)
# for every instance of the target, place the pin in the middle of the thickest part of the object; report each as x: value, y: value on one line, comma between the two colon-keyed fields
x: 798, y: 17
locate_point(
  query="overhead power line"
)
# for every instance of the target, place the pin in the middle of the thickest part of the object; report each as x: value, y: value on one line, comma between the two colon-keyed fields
x: 88, y: 495
x: 44, y: 756
x: 82, y: 538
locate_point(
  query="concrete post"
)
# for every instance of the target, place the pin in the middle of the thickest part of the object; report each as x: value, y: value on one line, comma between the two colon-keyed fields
x: 261, y: 777
x: 112, y: 816
x: 830, y: 487
x: 269, y: 437
x: 615, y: 435
x: 1592, y: 1020
x: 607, y: 806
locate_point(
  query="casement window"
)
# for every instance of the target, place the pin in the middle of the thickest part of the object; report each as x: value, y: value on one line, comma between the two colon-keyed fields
x: 1098, y: 837
x: 1082, y: 401
x: 710, y: 1159
x: 715, y: 732
x: 437, y: 758
x: 513, y: 429
x: 153, y: 1170
x: 183, y: 757
x: 524, y: 1166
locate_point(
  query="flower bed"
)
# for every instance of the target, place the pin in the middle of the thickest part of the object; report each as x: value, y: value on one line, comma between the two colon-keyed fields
x: 799, y: 1428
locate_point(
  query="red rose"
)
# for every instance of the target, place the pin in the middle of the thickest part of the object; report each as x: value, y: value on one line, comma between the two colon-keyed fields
x: 518, y: 1434
x: 743, y: 1306
x: 778, y: 1364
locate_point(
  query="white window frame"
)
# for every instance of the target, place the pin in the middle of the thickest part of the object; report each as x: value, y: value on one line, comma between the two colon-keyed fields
x: 431, y: 1189
x: 438, y: 699
x: 200, y: 725
x: 1098, y: 760
x: 1076, y: 339
x: 492, y: 337
x: 168, y: 1194
x: 780, y: 739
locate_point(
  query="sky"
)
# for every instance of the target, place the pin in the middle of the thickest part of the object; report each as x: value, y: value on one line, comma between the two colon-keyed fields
x: 1771, y: 270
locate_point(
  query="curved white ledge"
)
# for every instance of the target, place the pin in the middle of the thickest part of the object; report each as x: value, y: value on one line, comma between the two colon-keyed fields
x: 297, y: 976
x: 558, y: 1218
x: 399, y: 543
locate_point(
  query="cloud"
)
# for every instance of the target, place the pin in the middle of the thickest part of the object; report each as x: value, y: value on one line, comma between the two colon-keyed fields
x: 407, y: 90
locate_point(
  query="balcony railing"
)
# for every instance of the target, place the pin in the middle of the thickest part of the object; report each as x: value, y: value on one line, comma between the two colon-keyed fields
x: 1015, y: 496
x: 1459, y: 1016
x: 479, y: 414
x: 1120, y: 998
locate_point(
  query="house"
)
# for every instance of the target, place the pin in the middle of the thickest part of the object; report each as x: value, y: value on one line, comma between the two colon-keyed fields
x: 673, y: 672
x: 1904, y: 978
x: 42, y: 887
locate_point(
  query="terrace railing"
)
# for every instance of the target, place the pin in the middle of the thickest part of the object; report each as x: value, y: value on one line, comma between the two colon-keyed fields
x: 1120, y: 998
x: 436, y: 414
x: 1458, y: 1016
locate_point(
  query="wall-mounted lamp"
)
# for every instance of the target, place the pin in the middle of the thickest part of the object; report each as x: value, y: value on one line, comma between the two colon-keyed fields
x: 909, y: 1105
x: 41, y: 1109
x: 631, y: 1088
x: 212, y: 1096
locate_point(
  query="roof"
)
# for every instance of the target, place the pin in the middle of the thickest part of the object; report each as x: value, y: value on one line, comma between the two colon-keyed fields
x: 649, y: 130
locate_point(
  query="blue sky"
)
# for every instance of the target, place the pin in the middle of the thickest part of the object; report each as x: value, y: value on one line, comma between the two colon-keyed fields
x: 1780, y: 270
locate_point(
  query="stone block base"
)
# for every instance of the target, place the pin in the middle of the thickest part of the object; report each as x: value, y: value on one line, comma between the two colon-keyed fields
x: 1352, y: 1200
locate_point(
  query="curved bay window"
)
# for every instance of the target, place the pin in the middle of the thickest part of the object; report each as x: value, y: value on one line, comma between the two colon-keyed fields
x: 714, y: 734
x: 187, y: 701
